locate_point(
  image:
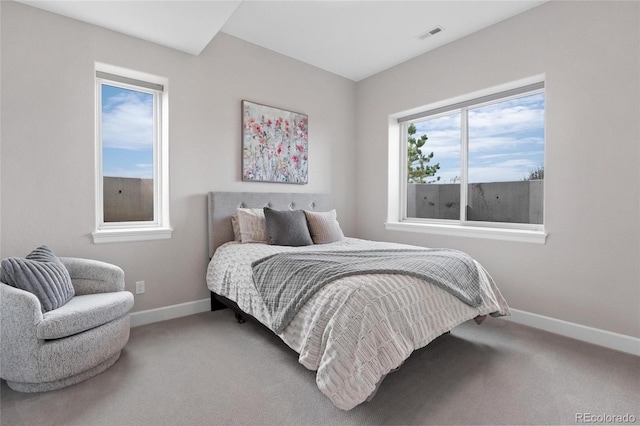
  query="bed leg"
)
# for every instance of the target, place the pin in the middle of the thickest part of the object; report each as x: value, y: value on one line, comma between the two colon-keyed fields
x: 239, y: 318
x: 220, y: 302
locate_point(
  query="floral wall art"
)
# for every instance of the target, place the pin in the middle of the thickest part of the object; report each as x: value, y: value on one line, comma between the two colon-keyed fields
x: 274, y: 144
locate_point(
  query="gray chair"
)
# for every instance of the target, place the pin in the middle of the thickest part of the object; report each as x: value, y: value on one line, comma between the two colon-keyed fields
x: 46, y: 351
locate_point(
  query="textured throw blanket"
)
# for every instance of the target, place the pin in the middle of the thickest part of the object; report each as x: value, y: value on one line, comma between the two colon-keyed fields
x: 286, y: 281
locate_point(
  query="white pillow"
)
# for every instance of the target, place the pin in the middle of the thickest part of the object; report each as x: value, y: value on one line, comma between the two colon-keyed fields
x: 252, y: 225
x: 324, y: 227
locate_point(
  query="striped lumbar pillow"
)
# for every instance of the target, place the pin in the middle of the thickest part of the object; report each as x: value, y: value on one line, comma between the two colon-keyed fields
x: 42, y: 274
x: 252, y: 225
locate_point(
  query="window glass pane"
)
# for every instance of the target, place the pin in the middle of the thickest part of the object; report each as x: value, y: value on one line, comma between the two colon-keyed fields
x: 506, y: 161
x: 433, y: 187
x: 127, y: 154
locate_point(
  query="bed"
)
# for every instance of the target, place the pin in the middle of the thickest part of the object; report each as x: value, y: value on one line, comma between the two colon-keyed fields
x: 358, y: 327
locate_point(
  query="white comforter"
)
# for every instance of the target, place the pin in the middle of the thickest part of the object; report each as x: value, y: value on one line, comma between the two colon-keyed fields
x: 357, y: 329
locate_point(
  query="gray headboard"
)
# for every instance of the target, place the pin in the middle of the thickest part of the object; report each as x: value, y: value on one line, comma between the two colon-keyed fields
x: 222, y: 205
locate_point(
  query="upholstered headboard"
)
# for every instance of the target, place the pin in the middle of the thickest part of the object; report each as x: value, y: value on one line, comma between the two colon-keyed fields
x: 222, y: 205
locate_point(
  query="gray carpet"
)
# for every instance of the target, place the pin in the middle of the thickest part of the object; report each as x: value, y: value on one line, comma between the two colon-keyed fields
x: 207, y: 369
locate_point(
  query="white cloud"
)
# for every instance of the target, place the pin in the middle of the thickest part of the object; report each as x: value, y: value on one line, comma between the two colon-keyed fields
x: 504, y: 171
x: 504, y: 121
x: 502, y: 144
x: 127, y: 121
x: 506, y: 140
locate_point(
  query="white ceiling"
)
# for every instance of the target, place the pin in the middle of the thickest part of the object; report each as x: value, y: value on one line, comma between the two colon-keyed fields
x: 354, y: 39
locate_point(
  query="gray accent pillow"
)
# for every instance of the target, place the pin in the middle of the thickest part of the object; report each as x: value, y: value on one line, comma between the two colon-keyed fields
x: 42, y: 274
x: 287, y: 228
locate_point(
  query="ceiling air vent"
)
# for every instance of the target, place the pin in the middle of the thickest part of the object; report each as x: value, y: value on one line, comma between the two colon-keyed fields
x: 430, y: 33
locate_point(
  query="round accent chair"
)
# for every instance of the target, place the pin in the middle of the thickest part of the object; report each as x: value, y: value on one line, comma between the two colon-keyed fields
x: 47, y: 344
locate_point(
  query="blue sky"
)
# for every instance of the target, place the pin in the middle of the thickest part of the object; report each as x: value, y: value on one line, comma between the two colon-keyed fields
x: 506, y: 140
x: 127, y: 133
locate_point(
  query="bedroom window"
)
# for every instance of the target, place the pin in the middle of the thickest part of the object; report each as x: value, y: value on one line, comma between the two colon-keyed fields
x: 132, y: 202
x: 474, y: 167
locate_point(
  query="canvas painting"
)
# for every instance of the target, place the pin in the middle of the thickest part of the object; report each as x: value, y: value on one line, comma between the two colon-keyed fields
x: 274, y: 144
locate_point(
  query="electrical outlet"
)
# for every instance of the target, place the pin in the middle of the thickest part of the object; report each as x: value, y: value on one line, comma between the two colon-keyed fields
x: 139, y: 287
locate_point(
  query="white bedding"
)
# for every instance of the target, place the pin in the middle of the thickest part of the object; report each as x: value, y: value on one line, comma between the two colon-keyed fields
x: 357, y: 329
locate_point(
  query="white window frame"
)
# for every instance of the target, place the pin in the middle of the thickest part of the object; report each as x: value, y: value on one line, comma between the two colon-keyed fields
x: 159, y: 227
x: 397, y: 219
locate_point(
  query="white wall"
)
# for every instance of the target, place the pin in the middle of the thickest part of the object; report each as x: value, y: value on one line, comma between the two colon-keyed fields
x: 588, y: 271
x: 48, y: 141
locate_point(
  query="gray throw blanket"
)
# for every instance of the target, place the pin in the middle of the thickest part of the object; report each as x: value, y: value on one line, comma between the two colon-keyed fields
x: 286, y: 281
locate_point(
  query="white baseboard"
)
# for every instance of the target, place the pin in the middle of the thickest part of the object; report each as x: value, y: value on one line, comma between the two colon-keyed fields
x: 609, y: 339
x: 169, y: 312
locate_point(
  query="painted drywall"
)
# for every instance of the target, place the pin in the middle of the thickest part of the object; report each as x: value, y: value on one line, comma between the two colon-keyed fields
x: 48, y: 141
x: 588, y: 270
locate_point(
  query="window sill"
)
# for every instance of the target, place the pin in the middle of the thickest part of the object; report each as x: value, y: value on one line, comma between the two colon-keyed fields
x: 130, y: 234
x: 518, y: 235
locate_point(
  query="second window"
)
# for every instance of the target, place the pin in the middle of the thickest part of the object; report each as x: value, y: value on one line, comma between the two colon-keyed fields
x: 479, y: 161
